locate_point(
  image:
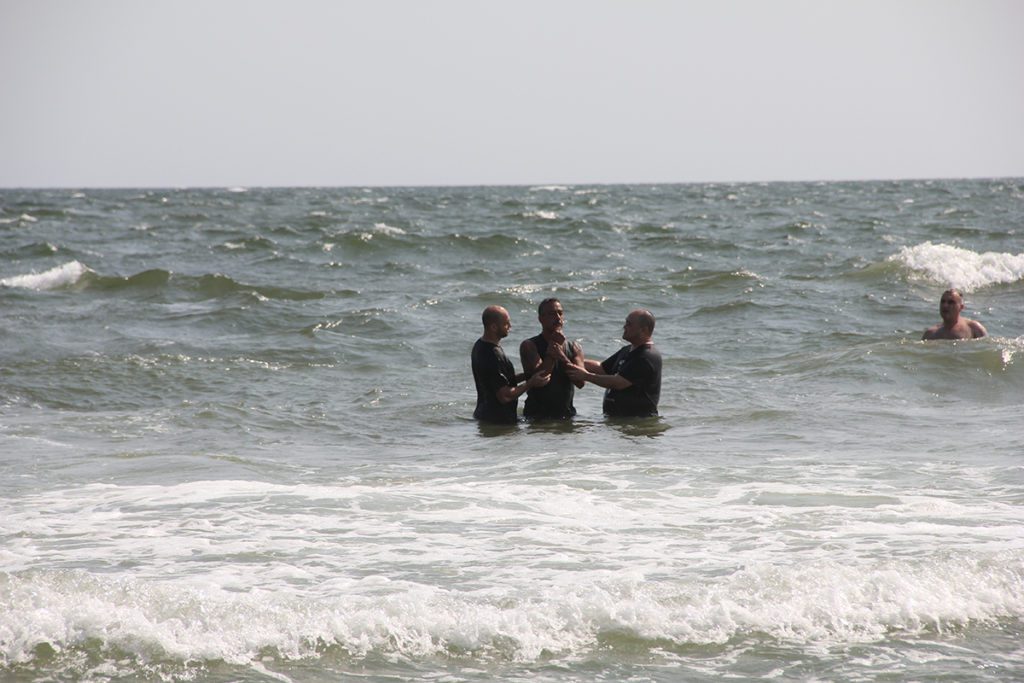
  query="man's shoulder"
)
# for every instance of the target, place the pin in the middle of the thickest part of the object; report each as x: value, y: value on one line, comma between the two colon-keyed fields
x: 485, y: 349
x: 977, y: 329
x: 647, y: 351
x: 621, y: 352
x: 529, y: 342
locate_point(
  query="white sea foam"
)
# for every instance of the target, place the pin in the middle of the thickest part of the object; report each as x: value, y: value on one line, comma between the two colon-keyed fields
x: 507, y: 568
x: 60, y: 276
x: 816, y: 603
x: 962, y: 268
x: 385, y: 229
x: 23, y: 218
x: 380, y: 229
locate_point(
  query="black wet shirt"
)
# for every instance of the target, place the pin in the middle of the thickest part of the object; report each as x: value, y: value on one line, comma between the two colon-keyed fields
x: 492, y: 370
x: 642, y: 367
x: 554, y: 400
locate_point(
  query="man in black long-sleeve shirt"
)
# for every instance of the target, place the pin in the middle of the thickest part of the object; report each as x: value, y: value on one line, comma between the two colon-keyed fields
x: 631, y: 376
x: 497, y: 385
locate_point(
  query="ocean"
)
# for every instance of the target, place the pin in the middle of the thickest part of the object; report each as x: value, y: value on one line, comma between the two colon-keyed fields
x: 236, y: 436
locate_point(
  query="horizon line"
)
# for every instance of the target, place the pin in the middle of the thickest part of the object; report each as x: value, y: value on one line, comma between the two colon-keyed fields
x: 244, y: 186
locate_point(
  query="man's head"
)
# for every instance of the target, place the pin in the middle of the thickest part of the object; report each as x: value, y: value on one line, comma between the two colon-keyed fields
x: 497, y: 322
x: 950, y: 305
x: 551, y: 315
x: 639, y: 327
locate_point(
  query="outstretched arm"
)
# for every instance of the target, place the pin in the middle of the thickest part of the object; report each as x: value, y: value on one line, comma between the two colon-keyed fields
x: 617, y: 382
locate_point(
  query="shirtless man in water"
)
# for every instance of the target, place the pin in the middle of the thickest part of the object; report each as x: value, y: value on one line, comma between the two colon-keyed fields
x: 953, y: 326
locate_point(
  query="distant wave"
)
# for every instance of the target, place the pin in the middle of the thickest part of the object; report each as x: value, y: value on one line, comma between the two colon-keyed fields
x: 380, y: 236
x: 33, y: 249
x: 962, y: 268
x: 218, y: 285
x: 542, y: 215
x: 249, y: 243
x: 54, y: 278
x: 82, y: 277
x: 712, y: 280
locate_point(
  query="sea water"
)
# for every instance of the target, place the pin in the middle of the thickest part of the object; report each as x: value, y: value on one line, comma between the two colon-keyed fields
x: 236, y: 438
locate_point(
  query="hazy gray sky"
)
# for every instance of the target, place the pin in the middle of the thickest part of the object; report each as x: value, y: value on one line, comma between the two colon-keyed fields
x: 380, y: 92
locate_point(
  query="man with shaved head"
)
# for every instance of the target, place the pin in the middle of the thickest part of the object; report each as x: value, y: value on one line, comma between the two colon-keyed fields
x: 498, y: 386
x: 632, y: 376
x: 954, y: 325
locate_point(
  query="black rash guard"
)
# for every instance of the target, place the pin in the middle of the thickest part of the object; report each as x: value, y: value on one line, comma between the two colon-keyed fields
x: 492, y: 370
x: 642, y: 367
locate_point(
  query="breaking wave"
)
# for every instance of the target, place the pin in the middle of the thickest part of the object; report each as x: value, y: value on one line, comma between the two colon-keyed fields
x: 961, y: 268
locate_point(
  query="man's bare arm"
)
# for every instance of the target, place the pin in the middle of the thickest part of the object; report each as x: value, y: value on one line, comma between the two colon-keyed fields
x: 530, y: 358
x: 617, y: 382
x: 579, y: 361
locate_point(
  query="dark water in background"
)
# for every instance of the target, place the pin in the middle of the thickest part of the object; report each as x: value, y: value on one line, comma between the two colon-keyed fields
x: 235, y: 435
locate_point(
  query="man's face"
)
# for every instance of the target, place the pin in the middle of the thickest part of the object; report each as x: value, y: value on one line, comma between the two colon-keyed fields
x: 950, y: 305
x: 552, y: 317
x: 505, y: 325
x: 631, y: 328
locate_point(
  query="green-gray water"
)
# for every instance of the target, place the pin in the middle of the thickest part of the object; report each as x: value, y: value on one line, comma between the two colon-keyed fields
x: 236, y: 438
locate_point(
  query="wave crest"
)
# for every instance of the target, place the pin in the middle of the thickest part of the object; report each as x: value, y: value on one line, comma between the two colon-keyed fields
x: 961, y: 268
x: 817, y: 603
x: 54, y: 278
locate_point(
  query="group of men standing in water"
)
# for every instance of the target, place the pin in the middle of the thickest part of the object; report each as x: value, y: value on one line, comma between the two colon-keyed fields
x: 554, y: 367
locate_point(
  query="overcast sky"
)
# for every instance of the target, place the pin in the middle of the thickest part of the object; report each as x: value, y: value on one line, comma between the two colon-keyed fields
x: 468, y: 92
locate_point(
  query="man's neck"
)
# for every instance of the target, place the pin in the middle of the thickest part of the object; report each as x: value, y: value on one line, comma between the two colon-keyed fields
x: 491, y: 339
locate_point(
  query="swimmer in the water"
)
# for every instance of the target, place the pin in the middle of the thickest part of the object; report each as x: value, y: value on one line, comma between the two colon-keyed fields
x: 954, y: 325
